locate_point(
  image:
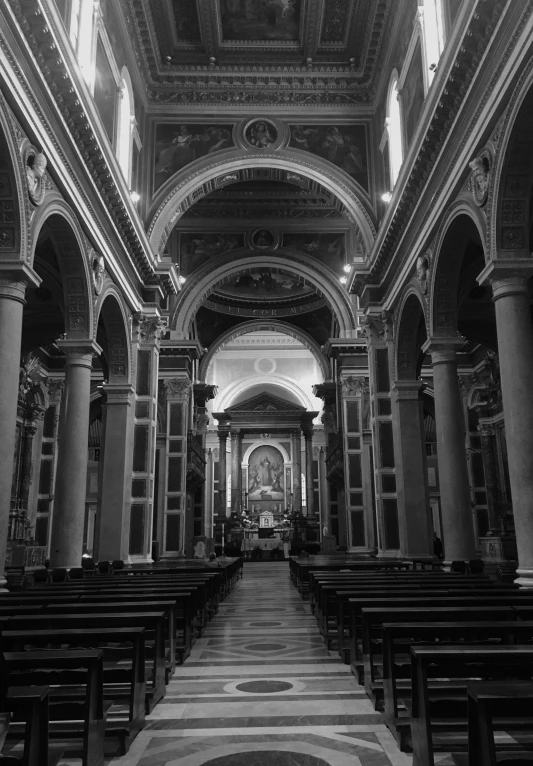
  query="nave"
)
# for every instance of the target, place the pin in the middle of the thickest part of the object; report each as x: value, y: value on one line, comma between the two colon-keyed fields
x: 261, y: 689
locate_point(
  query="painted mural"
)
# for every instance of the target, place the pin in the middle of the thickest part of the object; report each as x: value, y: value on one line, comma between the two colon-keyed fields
x: 266, y: 481
x: 187, y: 25
x: 264, y: 283
x: 260, y: 19
x: 105, y: 91
x: 178, y: 145
x: 343, y: 145
x: 196, y: 248
x: 328, y: 248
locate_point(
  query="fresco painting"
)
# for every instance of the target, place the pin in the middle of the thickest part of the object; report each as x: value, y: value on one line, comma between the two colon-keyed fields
x: 343, y: 145
x: 265, y: 283
x: 328, y: 248
x: 413, y: 94
x: 198, y: 247
x: 266, y: 479
x: 178, y: 145
x: 260, y: 19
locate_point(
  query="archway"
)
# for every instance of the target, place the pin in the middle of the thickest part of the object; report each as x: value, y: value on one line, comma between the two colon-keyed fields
x: 411, y: 335
x: 193, y: 183
x: 229, y: 265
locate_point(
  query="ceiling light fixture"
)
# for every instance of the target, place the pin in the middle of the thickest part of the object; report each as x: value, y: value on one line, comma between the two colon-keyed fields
x: 386, y: 197
x: 347, y: 268
x: 135, y: 196
x: 343, y: 280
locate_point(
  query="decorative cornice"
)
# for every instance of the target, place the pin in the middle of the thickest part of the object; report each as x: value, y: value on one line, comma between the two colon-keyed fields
x: 37, y: 26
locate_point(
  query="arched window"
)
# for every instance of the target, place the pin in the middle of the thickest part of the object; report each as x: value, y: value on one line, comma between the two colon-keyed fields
x: 394, y: 127
x: 433, y: 25
x: 126, y: 115
x: 82, y: 36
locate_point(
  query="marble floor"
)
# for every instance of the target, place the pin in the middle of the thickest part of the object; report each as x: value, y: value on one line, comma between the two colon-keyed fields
x: 261, y: 689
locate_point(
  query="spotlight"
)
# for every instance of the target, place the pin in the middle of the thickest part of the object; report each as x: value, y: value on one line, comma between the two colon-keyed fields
x: 347, y: 268
x: 386, y: 197
x: 343, y: 280
x: 181, y: 280
x: 135, y: 196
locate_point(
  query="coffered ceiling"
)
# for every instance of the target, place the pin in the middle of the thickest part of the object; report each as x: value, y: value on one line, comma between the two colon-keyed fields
x: 245, y: 47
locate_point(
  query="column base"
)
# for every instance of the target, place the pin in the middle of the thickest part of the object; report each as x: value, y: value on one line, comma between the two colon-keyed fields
x: 140, y: 560
x: 525, y: 578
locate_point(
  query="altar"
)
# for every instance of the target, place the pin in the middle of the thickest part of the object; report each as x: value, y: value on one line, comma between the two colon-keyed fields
x: 266, y: 546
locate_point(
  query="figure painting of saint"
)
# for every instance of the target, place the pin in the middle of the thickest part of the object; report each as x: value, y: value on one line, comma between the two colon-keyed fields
x: 178, y: 145
x: 343, y: 145
x: 260, y: 19
x: 261, y: 134
x: 265, y: 474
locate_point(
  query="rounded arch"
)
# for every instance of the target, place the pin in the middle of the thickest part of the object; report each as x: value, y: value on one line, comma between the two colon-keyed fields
x: 270, y: 326
x: 408, y: 346
x: 448, y: 260
x: 226, y: 397
x: 227, y: 266
x: 262, y: 443
x: 207, y: 174
x: 513, y: 174
x: 72, y: 251
x: 111, y: 309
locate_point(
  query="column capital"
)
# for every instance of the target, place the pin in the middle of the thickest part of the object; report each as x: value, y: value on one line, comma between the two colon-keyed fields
x: 236, y: 433
x: 223, y: 433
x: 177, y: 388
x: 79, y: 352
x: 408, y: 390
x: 118, y: 394
x: 507, y: 277
x: 443, y: 350
x: 15, y: 277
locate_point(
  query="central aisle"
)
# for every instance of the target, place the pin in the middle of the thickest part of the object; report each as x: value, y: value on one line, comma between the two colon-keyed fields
x: 261, y: 689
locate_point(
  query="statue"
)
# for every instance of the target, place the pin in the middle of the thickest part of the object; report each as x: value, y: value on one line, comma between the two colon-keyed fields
x: 422, y: 272
x: 35, y: 170
x: 98, y: 273
x: 479, y: 183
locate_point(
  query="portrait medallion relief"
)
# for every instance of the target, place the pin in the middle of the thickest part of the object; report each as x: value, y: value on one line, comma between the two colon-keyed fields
x: 261, y: 134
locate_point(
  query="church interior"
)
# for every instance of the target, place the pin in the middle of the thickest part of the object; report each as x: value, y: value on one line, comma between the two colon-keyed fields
x: 266, y: 352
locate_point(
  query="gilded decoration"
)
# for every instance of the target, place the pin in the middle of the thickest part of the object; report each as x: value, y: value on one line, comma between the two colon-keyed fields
x: 423, y: 263
x: 97, y: 272
x: 481, y: 167
x: 35, y: 174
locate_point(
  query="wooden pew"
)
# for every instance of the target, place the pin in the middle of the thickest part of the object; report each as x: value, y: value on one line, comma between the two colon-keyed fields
x: 30, y: 705
x: 79, y: 619
x: 516, y: 598
x: 369, y: 660
x: 506, y: 705
x: 433, y: 711
x: 80, y: 718
x: 124, y: 727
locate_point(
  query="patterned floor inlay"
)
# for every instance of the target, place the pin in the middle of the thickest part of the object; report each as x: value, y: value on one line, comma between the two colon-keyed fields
x: 261, y: 689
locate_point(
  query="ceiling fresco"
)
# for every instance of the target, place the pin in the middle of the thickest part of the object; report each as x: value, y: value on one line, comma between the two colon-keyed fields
x: 264, y: 284
x: 343, y: 145
x: 256, y: 20
x: 260, y: 51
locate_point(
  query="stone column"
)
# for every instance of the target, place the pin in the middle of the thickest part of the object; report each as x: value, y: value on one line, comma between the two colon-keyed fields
x: 308, y: 435
x: 458, y: 529
x: 488, y: 453
x: 14, y: 279
x: 515, y: 349
x: 236, y: 473
x: 71, y: 479
x: 222, y: 468
x: 297, y: 471
x: 113, y: 519
x: 416, y: 529
x: 26, y: 470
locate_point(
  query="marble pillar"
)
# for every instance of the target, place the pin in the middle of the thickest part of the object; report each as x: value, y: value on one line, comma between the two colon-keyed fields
x: 416, y: 529
x: 310, y: 495
x: 515, y: 349
x: 68, y: 520
x: 223, y: 437
x: 113, y: 519
x: 487, y: 436
x: 14, y: 278
x: 458, y: 528
x: 236, y: 473
x: 26, y: 469
x: 297, y: 472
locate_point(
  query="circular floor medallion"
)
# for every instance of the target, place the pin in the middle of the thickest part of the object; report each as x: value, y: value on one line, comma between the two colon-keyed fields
x: 264, y: 687
x: 265, y: 647
x: 264, y: 624
x: 267, y: 758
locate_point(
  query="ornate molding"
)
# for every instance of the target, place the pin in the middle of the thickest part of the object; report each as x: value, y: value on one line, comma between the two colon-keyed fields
x: 148, y: 329
x: 177, y: 387
x: 352, y: 385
